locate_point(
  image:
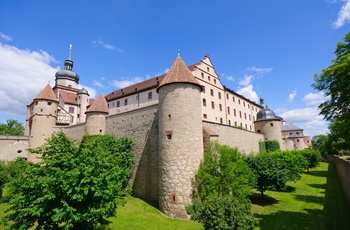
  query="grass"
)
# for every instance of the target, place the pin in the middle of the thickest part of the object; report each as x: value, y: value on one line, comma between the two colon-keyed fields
x: 316, y: 202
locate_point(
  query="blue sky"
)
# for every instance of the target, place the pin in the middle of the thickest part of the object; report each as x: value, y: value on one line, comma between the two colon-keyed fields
x: 260, y: 48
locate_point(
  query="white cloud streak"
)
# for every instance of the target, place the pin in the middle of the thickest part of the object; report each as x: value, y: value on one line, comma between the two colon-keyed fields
x: 107, y: 46
x: 292, y: 95
x: 126, y: 81
x: 5, y: 37
x: 343, y: 15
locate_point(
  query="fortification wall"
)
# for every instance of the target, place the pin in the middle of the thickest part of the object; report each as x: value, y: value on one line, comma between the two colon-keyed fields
x: 12, y: 147
x: 74, y: 131
x: 343, y: 170
x: 142, y: 126
x: 246, y: 141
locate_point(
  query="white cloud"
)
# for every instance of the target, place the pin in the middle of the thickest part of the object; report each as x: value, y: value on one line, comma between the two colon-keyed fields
x: 249, y: 93
x: 23, y: 73
x: 107, y: 46
x: 98, y: 84
x: 246, y: 81
x: 307, y: 119
x: 5, y: 37
x: 292, y: 95
x: 259, y: 71
x: 314, y: 98
x: 126, y: 82
x: 343, y: 15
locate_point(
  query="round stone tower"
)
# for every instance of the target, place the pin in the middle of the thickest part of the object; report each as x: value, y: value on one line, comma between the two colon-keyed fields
x: 96, y: 116
x: 41, y: 119
x: 83, y: 102
x: 269, y: 124
x: 180, y: 138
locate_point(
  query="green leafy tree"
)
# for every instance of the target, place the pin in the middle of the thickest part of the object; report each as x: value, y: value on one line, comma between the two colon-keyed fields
x: 313, y: 157
x: 12, y: 127
x: 75, y: 186
x: 334, y: 81
x: 272, y: 145
x: 4, y: 177
x: 222, y: 185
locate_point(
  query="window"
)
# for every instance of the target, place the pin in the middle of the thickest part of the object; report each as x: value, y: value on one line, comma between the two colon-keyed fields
x: 220, y: 120
x: 212, y: 105
x: 243, y: 103
x: 228, y: 110
x: 240, y: 114
x: 229, y: 122
x: 245, y: 116
x: 219, y: 95
x: 235, y: 123
x: 220, y: 107
x: 215, y: 81
x: 234, y: 112
x: 226, y: 95
x: 250, y: 117
x: 271, y: 124
x: 207, y: 69
x: 203, y: 88
x: 126, y: 102
x: 202, y: 74
x: 205, y: 116
x: 239, y: 101
x: 204, y: 102
x: 233, y: 99
x: 211, y: 92
x: 208, y: 78
x: 149, y: 95
x: 49, y: 102
x: 71, y: 109
x: 246, y: 127
x: 118, y: 103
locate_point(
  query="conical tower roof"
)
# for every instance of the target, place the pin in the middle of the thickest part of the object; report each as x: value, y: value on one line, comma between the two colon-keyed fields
x: 179, y: 73
x: 46, y: 94
x: 99, y: 105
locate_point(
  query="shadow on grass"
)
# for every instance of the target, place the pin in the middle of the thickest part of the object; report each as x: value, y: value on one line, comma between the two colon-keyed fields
x: 267, y: 200
x: 336, y: 210
x: 310, y: 199
x: 153, y: 203
x: 317, y: 173
x: 320, y: 186
x: 292, y: 220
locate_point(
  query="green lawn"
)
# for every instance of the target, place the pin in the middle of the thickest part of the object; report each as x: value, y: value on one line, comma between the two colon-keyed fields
x: 315, y: 202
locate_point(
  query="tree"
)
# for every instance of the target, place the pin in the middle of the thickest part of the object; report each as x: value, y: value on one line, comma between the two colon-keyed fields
x: 313, y: 157
x: 75, y: 186
x: 222, y: 185
x: 274, y: 169
x: 12, y: 127
x: 334, y: 81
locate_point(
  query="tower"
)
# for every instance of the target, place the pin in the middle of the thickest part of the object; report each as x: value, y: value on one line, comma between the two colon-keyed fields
x: 268, y: 124
x: 67, y: 77
x: 83, y: 102
x: 96, y: 116
x: 180, y: 138
x: 41, y: 119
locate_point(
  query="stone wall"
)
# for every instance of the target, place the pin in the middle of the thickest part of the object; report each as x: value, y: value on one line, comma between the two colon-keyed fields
x: 343, y: 170
x: 245, y: 141
x: 12, y: 147
x: 142, y: 126
x: 73, y: 131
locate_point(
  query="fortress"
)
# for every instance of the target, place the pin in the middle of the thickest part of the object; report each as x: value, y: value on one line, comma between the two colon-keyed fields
x: 171, y: 118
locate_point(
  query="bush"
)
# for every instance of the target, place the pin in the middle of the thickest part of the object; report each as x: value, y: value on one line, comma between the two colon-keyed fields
x: 272, y: 145
x: 313, y: 157
x: 223, y: 213
x: 222, y: 185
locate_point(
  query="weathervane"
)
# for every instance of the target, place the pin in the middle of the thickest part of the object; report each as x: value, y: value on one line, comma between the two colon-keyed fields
x: 178, y: 53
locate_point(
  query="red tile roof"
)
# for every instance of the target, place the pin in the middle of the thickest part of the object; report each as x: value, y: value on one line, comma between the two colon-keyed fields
x: 179, y: 72
x: 99, y: 105
x: 46, y: 94
x: 69, y: 98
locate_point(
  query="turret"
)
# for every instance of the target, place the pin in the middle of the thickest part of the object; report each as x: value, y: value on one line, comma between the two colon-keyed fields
x: 67, y: 77
x: 96, y: 116
x: 180, y: 138
x: 83, y: 102
x: 268, y: 124
x: 41, y: 119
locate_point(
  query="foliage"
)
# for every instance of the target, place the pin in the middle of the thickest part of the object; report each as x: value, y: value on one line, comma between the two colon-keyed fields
x: 313, y: 158
x: 75, y: 186
x: 4, y: 177
x: 334, y: 81
x: 321, y: 143
x: 223, y: 172
x: 274, y: 169
x: 225, y: 212
x: 12, y: 127
x: 262, y: 147
x: 222, y: 185
x: 272, y: 145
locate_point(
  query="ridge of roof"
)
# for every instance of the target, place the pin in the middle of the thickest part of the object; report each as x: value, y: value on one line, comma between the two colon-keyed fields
x: 179, y: 73
x: 99, y: 105
x: 46, y: 94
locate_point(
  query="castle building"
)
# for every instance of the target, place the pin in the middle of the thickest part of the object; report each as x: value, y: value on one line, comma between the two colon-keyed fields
x: 171, y: 117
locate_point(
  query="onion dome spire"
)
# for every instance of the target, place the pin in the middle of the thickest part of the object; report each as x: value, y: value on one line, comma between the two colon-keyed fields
x: 67, y: 72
